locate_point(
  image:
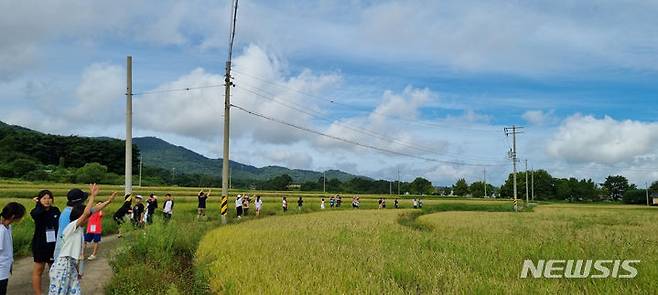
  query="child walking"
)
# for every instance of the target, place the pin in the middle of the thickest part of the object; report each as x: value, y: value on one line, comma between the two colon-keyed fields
x: 94, y: 231
x: 66, y: 272
x: 259, y: 205
x: 238, y: 206
x: 168, y: 207
x: 11, y: 213
x: 201, y: 204
x: 245, y: 205
x: 46, y: 224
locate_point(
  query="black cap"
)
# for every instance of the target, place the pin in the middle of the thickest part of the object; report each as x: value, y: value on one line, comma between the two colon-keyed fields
x: 76, y: 195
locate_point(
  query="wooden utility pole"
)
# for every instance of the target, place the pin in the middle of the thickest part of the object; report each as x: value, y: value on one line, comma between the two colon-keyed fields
x: 532, y: 183
x: 484, y: 179
x: 514, y: 130
x: 128, y: 182
x: 527, y: 193
x: 227, y: 113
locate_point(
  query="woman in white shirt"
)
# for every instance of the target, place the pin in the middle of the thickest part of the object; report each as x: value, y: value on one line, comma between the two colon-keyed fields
x: 66, y: 272
x: 259, y: 205
x: 238, y: 206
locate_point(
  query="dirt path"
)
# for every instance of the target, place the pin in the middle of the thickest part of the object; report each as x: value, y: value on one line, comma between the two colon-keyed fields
x: 92, y: 283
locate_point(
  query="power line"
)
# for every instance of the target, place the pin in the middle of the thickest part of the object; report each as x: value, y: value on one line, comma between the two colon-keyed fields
x: 177, y: 89
x: 369, y: 132
x: 324, y: 118
x: 352, y: 107
x: 355, y: 142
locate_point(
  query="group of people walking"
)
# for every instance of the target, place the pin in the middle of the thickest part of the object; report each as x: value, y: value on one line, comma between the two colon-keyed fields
x: 59, y: 238
x: 243, y: 202
x: 134, y: 210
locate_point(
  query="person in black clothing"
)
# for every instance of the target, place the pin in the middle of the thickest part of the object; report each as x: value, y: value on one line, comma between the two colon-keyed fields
x: 120, y: 215
x: 123, y: 210
x: 46, y: 223
x: 397, y: 203
x: 300, y: 203
x: 151, y: 205
x: 201, y: 206
x: 138, y: 212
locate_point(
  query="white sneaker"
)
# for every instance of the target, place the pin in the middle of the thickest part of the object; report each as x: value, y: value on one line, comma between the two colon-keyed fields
x: 91, y: 257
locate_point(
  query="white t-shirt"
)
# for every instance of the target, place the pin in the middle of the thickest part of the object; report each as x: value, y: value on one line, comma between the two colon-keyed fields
x: 259, y: 204
x: 6, y: 251
x: 238, y: 201
x: 72, y: 241
x: 167, y: 206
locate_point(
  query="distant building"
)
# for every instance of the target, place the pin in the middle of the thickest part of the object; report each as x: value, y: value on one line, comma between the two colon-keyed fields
x: 294, y: 187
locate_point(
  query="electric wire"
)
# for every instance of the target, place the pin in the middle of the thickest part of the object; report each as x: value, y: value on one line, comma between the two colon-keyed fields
x: 253, y: 113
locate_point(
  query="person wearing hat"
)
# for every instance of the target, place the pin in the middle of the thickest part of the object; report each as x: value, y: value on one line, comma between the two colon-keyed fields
x: 74, y: 197
x: 138, y: 212
x: 151, y: 205
x: 66, y: 271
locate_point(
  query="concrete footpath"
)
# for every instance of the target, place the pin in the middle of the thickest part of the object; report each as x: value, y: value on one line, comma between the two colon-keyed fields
x: 97, y: 272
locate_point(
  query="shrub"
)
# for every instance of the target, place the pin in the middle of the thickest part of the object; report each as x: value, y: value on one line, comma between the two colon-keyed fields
x: 165, y: 255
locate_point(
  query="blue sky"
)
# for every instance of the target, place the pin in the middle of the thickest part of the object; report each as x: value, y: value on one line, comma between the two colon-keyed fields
x: 580, y: 76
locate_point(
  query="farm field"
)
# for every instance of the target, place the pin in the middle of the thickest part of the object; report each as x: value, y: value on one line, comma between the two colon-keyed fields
x: 450, y: 246
x: 185, y: 204
x: 376, y: 251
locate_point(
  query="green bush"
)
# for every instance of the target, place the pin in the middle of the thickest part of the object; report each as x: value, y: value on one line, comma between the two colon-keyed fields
x: 23, y: 166
x: 163, y: 253
x: 91, y: 173
x: 36, y: 175
x: 636, y: 196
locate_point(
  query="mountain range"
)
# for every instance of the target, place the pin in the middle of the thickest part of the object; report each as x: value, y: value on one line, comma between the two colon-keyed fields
x: 156, y: 152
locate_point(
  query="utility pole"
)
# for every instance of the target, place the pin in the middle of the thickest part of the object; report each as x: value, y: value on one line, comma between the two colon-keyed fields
x: 527, y: 193
x: 324, y: 182
x: 485, y: 182
x: 398, y: 182
x: 390, y: 187
x: 646, y: 184
x: 173, y: 174
x: 128, y: 182
x: 514, y: 130
x: 140, y: 170
x: 532, y: 182
x: 227, y: 111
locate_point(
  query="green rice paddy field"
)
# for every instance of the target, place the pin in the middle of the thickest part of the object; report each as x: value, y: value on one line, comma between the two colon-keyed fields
x: 450, y: 246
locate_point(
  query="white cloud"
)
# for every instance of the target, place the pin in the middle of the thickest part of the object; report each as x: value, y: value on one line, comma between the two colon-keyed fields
x: 96, y: 102
x: 526, y: 38
x: 538, y: 117
x: 100, y: 95
x: 588, y: 139
x: 197, y: 113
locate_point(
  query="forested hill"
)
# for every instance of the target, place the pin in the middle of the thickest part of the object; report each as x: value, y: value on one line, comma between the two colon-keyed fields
x: 159, y: 153
x: 33, y: 147
x: 23, y: 151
